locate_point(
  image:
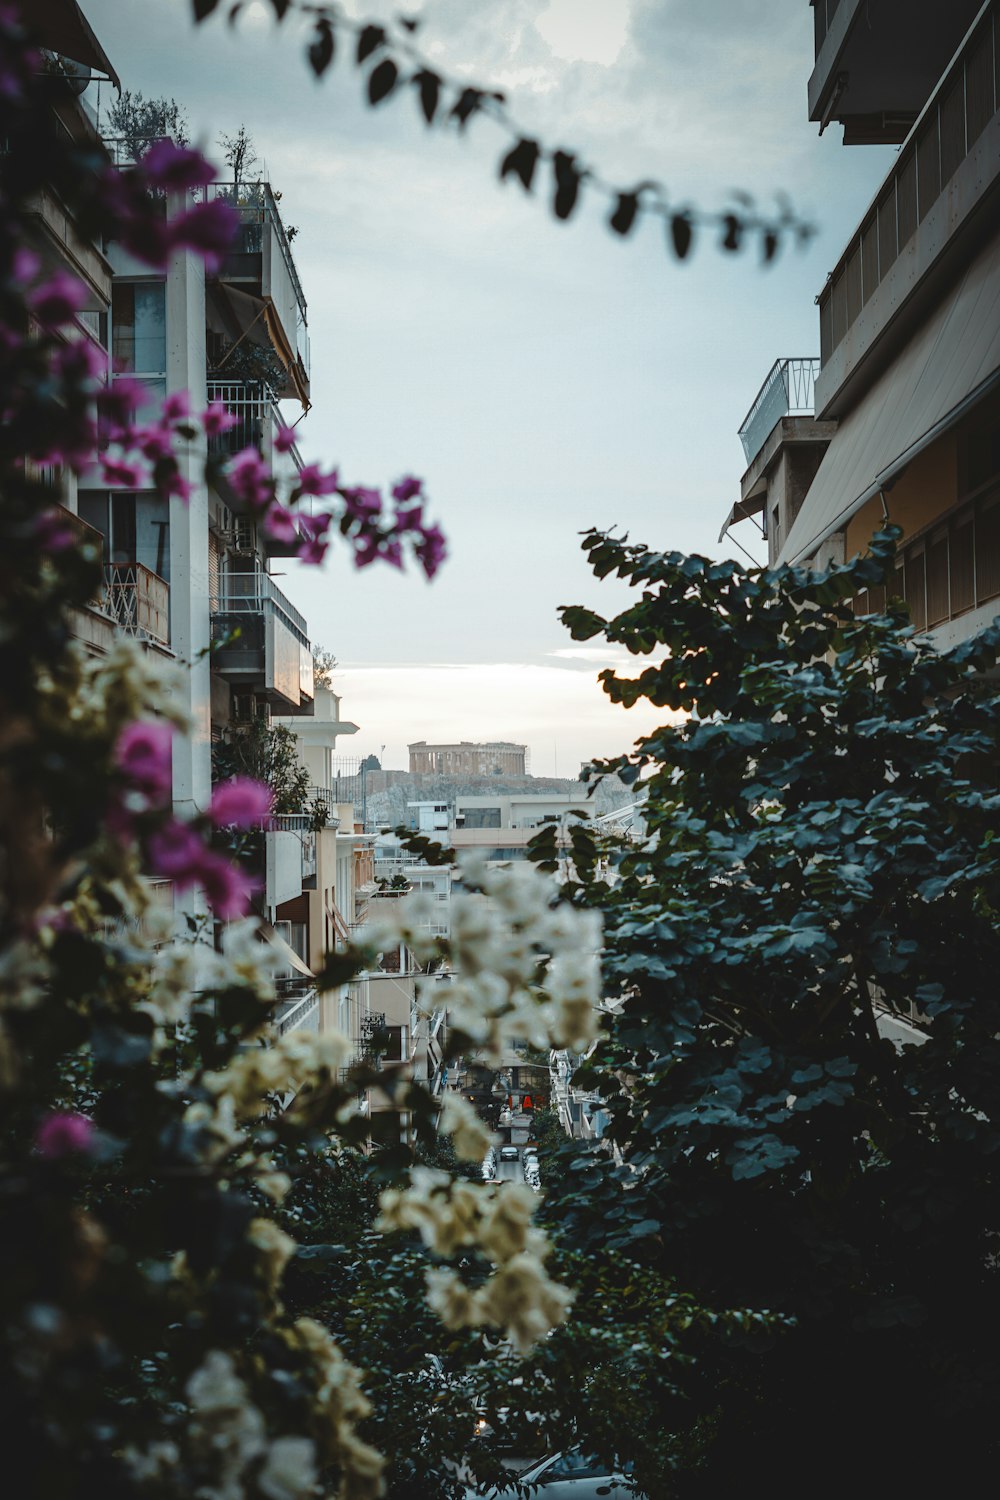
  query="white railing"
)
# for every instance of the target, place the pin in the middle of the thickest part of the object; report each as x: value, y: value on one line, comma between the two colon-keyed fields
x: 788, y: 391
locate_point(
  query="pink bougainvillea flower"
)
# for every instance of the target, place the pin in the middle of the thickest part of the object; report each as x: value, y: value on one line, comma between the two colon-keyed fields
x: 176, y: 851
x: 409, y: 518
x: 280, y: 525
x: 153, y: 443
x: 284, y: 439
x: 117, y: 471
x: 432, y: 549
x: 312, y: 546
x: 143, y: 755
x: 176, y: 406
x: 80, y: 361
x: 361, y: 504
x: 227, y: 887
x: 25, y: 264
x: 55, y: 532
x: 64, y: 1134
x: 58, y: 300
x: 215, y: 419
x: 408, y: 488
x: 175, y: 168
x: 312, y: 480
x: 173, y: 482
x: 208, y: 228
x: 240, y: 803
x: 250, y: 478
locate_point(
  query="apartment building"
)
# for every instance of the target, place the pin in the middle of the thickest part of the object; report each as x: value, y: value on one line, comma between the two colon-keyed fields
x: 191, y: 579
x: 898, y: 418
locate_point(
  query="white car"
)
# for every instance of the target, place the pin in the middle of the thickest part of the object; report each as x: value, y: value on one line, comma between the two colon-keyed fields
x: 509, y: 1153
x: 567, y: 1476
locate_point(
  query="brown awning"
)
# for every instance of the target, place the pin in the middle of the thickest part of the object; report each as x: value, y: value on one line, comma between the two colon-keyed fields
x: 257, y: 320
x: 60, y: 26
x: 743, y: 509
x: 288, y: 954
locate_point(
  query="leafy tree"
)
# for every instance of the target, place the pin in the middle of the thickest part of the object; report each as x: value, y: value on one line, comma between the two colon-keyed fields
x: 241, y: 158
x: 803, y: 1073
x: 324, y: 666
x: 269, y: 753
x: 139, y: 121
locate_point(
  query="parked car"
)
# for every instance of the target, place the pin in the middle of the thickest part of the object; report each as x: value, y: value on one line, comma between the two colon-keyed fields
x: 568, y: 1476
x: 509, y: 1153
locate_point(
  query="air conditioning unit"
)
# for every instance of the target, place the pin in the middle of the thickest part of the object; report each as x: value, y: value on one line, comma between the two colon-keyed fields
x: 244, y: 540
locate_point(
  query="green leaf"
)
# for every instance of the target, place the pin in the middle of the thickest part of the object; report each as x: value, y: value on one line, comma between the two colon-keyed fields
x: 382, y: 80
x: 520, y: 162
x: 681, y: 233
x: 203, y: 8
x: 370, y: 38
x: 429, y: 86
x: 321, y: 49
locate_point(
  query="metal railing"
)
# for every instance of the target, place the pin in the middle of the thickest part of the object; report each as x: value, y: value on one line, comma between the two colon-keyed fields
x: 298, y: 1013
x: 955, y: 116
x: 787, y: 391
x: 138, y: 600
x: 257, y: 594
x: 257, y: 415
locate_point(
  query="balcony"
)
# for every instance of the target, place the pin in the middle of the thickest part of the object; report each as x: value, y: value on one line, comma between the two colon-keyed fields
x: 876, y: 64
x: 931, y: 215
x: 258, y: 418
x: 138, y: 601
x: 262, y: 267
x: 261, y: 642
x: 298, y: 1007
x: 787, y: 392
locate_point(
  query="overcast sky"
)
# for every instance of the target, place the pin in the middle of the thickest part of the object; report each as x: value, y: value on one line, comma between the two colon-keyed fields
x: 541, y: 377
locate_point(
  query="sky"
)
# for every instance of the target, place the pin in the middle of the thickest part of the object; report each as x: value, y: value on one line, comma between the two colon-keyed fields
x: 541, y: 377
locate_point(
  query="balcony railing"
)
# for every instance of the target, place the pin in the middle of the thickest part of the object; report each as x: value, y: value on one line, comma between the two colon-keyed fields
x: 297, y: 1011
x: 138, y: 600
x: 258, y: 419
x: 257, y: 594
x: 787, y: 392
x: 955, y: 116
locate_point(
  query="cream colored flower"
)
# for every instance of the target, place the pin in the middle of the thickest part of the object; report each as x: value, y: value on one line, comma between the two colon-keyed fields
x: 455, y: 1304
x: 276, y: 1248
x: 520, y: 1298
x: 289, y: 1472
x: 470, y: 1136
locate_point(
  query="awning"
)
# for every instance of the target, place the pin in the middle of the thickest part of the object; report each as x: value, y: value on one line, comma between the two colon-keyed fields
x: 60, y: 26
x: 259, y: 322
x: 743, y: 509
x: 941, y: 374
x: 289, y: 957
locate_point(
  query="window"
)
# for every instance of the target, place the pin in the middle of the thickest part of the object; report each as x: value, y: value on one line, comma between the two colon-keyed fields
x: 577, y: 1466
x: 135, y: 528
x: 139, y: 327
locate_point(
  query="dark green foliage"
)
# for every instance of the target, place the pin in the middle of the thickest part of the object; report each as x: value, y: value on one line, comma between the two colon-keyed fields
x: 822, y: 867
x: 268, y: 753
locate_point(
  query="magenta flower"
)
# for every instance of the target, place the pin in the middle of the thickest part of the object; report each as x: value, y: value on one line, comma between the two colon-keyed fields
x: 80, y: 361
x: 64, y: 1134
x: 25, y: 264
x: 58, y: 300
x: 249, y: 478
x: 280, y: 525
x: 408, y: 488
x: 55, y: 532
x: 209, y: 228
x: 432, y: 549
x: 175, y: 168
x: 143, y: 754
x: 215, y: 419
x: 312, y: 481
x: 176, y: 851
x: 284, y: 440
x: 227, y: 887
x: 240, y: 803
x: 153, y: 443
x: 116, y: 471
x: 361, y: 504
x: 313, y: 546
x: 176, y: 406
x: 173, y: 482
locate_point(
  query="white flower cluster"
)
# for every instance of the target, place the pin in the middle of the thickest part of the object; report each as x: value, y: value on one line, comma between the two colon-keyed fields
x: 451, y: 1215
x: 340, y: 1405
x: 228, y: 1434
x: 282, y: 1067
x: 525, y: 966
